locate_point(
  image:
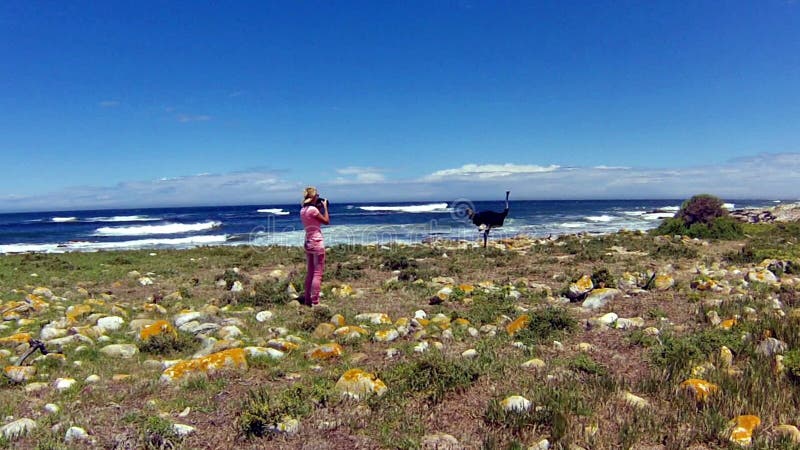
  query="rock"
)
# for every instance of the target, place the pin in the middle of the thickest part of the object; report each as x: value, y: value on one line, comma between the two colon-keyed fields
x: 35, y: 387
x: 182, y: 430
x: 580, y: 288
x: 663, y: 282
x: 518, y: 324
x: 515, y: 403
x: 386, y: 335
x: 742, y: 429
x: 75, y: 434
x: 470, y: 354
x: 17, y: 428
x: 625, y: 323
x: 725, y: 357
x: 422, y: 347
x: 325, y: 351
x: 789, y: 431
x: 237, y: 286
x: 440, y: 441
x: 374, y: 318
x: 120, y: 350
x: 599, y: 297
x: 183, y: 318
x: 264, y: 352
x: 544, y: 444
x: 62, y: 384
x: 608, y: 319
x: 92, y: 379
x: 20, y: 374
x: 263, y: 316
x: 350, y: 332
x: 111, y: 323
x: 157, y: 328
x: 584, y: 347
x: 51, y: 332
x: 338, y: 320
x: 227, y: 359
x: 43, y: 292
x: 699, y: 389
x: 769, y: 347
x: 145, y: 281
x: 52, y: 408
x: 762, y: 276
x: 713, y: 318
x: 357, y: 384
x: 284, y: 345
x: 229, y: 332
x: 634, y: 400
x: 535, y: 364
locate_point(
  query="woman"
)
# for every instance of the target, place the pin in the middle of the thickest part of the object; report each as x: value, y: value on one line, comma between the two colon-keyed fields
x: 313, y: 220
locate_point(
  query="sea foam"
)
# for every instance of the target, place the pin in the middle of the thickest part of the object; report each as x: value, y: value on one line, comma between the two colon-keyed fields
x: 64, y: 219
x: 190, y: 241
x: 430, y: 207
x: 144, y: 230
x: 275, y: 211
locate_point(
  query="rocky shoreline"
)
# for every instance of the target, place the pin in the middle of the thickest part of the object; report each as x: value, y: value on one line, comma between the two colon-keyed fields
x: 789, y: 212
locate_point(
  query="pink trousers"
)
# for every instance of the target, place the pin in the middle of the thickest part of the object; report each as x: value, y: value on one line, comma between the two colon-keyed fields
x: 316, y: 266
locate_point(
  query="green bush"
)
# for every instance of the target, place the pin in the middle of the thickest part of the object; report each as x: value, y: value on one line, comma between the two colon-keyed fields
x: 269, y: 293
x: 264, y: 409
x: 704, y: 217
x: 167, y: 343
x: 433, y: 376
x: 545, y: 324
x: 791, y: 360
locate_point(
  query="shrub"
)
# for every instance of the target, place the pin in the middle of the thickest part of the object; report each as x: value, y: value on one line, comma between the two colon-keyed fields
x: 168, y: 343
x: 546, y: 324
x: 433, y: 375
x: 701, y: 208
x: 270, y: 293
x: 263, y: 409
x: 792, y: 363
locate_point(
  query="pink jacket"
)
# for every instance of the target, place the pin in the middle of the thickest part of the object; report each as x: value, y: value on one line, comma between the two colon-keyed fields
x: 310, y: 216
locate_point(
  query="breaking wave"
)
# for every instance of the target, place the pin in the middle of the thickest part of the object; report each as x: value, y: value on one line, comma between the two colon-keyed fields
x: 430, y: 207
x: 144, y: 230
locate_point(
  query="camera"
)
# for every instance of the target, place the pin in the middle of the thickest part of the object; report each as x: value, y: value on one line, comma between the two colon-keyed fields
x: 320, y: 202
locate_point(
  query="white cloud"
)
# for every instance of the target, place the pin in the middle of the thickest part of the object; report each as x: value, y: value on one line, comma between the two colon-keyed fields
x: 360, y: 175
x: 108, y: 103
x: 488, y: 171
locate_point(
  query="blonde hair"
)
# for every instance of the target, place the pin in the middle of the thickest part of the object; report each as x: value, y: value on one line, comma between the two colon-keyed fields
x: 308, y: 194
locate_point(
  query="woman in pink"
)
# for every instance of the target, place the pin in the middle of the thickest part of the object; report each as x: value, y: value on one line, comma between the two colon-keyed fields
x: 313, y: 220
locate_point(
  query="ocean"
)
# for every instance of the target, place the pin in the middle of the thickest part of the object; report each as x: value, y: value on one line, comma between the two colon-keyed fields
x: 351, y: 223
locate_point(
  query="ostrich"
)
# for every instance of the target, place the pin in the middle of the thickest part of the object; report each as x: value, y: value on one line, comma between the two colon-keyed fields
x: 486, y: 220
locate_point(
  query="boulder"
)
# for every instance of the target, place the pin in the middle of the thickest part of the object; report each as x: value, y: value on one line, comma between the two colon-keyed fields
x: 17, y: 428
x: 120, y: 350
x: 357, y: 384
x: 599, y: 297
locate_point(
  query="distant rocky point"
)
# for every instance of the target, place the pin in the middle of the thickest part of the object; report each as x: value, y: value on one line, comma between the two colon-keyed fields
x: 788, y: 212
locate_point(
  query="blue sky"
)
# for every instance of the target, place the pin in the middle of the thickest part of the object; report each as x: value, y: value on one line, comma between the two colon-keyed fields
x: 115, y: 104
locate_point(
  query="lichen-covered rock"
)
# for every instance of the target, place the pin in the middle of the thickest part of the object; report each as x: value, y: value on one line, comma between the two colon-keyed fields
x: 15, y: 339
x: 111, y: 323
x: 440, y: 441
x: 742, y: 428
x: 386, y: 335
x: 357, y: 384
x: 515, y: 403
x: 187, y: 317
x: 325, y: 351
x: 699, y: 389
x: 350, y: 332
x: 535, y: 364
x: 599, y: 297
x: 342, y: 291
x: 283, y: 345
x: 75, y: 434
x: 770, y: 347
x: 264, y: 352
x: 263, y: 316
x: 634, y: 400
x: 374, y: 318
x: 62, y: 384
x: 518, y: 324
x: 338, y: 320
x: 234, y: 358
x: 761, y: 276
x: 663, y: 282
x: 580, y: 288
x: 324, y: 330
x: 789, y: 431
x: 20, y: 374
x: 158, y: 328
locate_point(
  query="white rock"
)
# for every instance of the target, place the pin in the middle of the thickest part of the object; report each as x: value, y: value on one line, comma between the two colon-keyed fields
x: 237, y: 286
x: 17, y: 428
x: 92, y: 379
x: 43, y: 292
x: 391, y: 353
x: 447, y: 334
x: 265, y: 352
x: 470, y: 354
x: 516, y: 403
x: 75, y: 434
x: 608, y: 319
x: 111, y: 323
x: 229, y: 332
x: 145, y: 281
x: 49, y: 333
x: 420, y: 314
x: 599, y: 297
x: 264, y: 316
x: 544, y: 444
x: 120, y: 350
x: 52, y: 408
x: 473, y: 332
x: 62, y: 384
x: 183, y: 318
x: 422, y: 347
x: 182, y: 430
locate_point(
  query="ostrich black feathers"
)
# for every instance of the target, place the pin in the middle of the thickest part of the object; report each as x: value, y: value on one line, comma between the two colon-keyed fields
x: 486, y: 220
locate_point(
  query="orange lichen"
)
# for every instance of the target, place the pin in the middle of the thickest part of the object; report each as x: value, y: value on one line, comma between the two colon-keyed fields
x: 742, y: 429
x: 234, y: 358
x: 325, y: 351
x: 282, y: 345
x: 346, y: 330
x: 16, y: 339
x: 77, y: 311
x: 461, y: 322
x: 37, y: 303
x: 728, y: 324
x: 466, y: 288
x: 338, y: 320
x: 158, y: 328
x: 701, y: 389
x: 518, y: 324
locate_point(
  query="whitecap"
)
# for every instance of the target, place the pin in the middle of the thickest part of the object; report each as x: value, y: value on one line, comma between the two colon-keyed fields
x: 430, y: 207
x: 657, y: 215
x: 275, y: 211
x: 603, y: 218
x: 86, y: 246
x: 123, y: 219
x: 573, y: 224
x: 670, y: 208
x: 143, y: 230
x: 728, y: 206
x: 63, y: 219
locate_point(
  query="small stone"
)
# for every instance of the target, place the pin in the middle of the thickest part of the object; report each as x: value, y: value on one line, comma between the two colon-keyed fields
x: 789, y: 431
x: 357, y: 384
x: 62, y: 384
x: 52, y: 408
x: 237, y: 286
x: 120, y: 350
x: 470, y: 354
x: 725, y: 356
x: 145, y: 281
x: 182, y: 430
x: 20, y: 374
x: 635, y: 400
x: 535, y: 364
x: 515, y: 403
x: 440, y: 441
x: 112, y: 323
x: 17, y: 428
x: 608, y: 319
x: 92, y: 379
x: 263, y: 316
x: 75, y: 434
x: 769, y: 347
